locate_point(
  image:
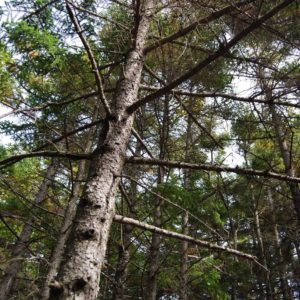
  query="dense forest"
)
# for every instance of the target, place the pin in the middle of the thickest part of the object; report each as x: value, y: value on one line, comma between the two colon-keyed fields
x: 150, y: 149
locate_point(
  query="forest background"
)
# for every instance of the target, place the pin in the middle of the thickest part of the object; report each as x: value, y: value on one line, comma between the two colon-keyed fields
x: 119, y: 179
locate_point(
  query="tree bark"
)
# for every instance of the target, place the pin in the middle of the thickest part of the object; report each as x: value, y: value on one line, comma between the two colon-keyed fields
x: 79, y: 274
x: 19, y: 249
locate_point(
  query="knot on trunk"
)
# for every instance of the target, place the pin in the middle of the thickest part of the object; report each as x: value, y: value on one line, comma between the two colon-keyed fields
x: 78, y: 284
x: 88, y: 234
x: 56, y: 289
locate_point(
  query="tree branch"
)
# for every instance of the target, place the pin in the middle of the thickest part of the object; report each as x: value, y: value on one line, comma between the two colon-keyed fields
x: 208, y: 167
x: 182, y: 32
x: 67, y: 134
x: 251, y: 99
x: 187, y: 238
x: 99, y: 16
x: 194, y: 119
x: 91, y: 57
x: 16, y: 158
x: 214, y: 56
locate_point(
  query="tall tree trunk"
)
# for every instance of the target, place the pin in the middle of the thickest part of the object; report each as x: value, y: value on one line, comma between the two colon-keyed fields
x: 19, y: 248
x: 287, y: 159
x: 153, y: 259
x: 124, y: 255
x: 282, y: 143
x: 261, y: 255
x: 122, y: 266
x: 79, y: 274
x: 183, y: 293
x: 281, y: 263
x: 69, y: 215
x: 184, y: 259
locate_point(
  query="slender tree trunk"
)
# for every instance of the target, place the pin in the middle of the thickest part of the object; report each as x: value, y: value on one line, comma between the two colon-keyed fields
x: 19, y: 248
x: 282, y: 143
x: 153, y: 259
x: 122, y: 266
x: 281, y: 263
x: 184, y: 259
x: 154, y: 255
x: 79, y: 274
x: 261, y: 255
x: 124, y: 254
x: 183, y: 293
x: 69, y: 215
x: 151, y: 290
x: 287, y: 159
x: 234, y: 236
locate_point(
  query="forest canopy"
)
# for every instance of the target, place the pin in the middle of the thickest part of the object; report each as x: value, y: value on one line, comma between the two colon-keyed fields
x: 150, y: 149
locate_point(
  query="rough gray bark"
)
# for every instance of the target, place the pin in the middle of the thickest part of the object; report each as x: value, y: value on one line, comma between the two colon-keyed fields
x: 19, y: 248
x: 79, y: 274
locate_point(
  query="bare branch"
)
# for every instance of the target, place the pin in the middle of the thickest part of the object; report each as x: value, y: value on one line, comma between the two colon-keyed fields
x: 70, y: 133
x: 174, y: 204
x: 208, y: 167
x: 98, y: 16
x: 40, y: 9
x: 138, y: 137
x: 187, y: 238
x: 92, y: 59
x: 252, y: 99
x: 16, y: 158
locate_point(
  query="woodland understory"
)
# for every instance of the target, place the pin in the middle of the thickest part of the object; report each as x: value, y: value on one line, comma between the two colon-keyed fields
x: 149, y: 149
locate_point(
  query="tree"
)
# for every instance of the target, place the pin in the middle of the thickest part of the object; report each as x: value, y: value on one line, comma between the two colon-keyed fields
x: 124, y: 40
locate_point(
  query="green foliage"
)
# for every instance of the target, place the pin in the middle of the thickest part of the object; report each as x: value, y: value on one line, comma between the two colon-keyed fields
x: 41, y: 51
x: 6, y: 64
x: 208, y: 278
